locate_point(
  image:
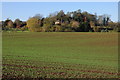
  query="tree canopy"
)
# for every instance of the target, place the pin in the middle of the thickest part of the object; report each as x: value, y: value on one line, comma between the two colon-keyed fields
x: 76, y: 21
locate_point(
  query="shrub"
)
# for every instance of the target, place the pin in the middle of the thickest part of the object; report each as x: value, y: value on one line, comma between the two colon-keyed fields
x: 57, y: 28
x: 34, y: 24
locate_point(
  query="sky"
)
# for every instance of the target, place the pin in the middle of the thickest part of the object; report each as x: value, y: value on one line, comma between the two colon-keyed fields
x: 24, y: 10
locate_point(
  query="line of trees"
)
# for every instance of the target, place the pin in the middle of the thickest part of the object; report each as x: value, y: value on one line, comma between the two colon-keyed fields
x: 75, y: 21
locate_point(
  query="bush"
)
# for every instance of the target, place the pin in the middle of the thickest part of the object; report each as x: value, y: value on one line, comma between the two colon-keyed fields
x: 46, y: 28
x: 34, y: 24
x: 84, y: 27
x: 57, y: 28
x: 24, y: 28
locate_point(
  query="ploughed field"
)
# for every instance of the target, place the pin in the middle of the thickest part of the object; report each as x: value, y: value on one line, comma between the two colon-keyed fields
x: 60, y: 55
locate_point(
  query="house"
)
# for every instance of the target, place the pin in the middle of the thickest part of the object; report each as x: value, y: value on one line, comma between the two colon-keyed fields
x: 57, y: 22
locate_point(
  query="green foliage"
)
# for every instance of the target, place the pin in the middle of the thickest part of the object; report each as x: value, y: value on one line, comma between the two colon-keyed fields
x: 60, y: 16
x: 46, y: 28
x: 10, y: 24
x: 5, y: 23
x: 17, y: 23
x: 57, y: 28
x: 68, y: 29
x: 75, y: 25
x: 117, y: 27
x: 48, y: 23
x: 34, y: 24
x: 24, y: 28
x: 84, y: 27
x: 77, y: 21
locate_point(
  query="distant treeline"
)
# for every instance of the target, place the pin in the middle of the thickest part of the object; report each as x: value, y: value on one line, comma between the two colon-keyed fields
x: 75, y: 21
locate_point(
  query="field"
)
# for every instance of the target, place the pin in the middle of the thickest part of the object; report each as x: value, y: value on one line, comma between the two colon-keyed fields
x: 60, y: 55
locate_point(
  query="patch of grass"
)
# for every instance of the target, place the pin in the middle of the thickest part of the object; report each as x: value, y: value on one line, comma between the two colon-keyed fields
x: 60, y: 55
